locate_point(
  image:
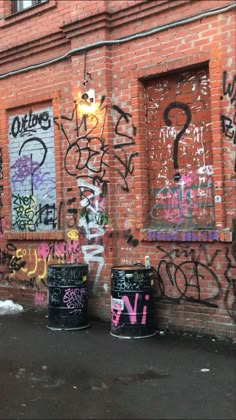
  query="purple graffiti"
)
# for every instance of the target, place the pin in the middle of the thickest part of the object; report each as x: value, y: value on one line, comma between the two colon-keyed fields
x: 75, y: 298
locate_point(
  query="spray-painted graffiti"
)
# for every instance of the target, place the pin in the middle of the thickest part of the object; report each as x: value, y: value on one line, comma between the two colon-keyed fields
x: 89, y: 153
x: 130, y: 310
x: 25, y: 168
x: 131, y: 296
x: 40, y: 299
x: 32, y: 171
x: 60, y: 250
x: 186, y: 274
x: 91, y: 224
x: 194, y: 254
x: 9, y: 263
x: 194, y: 236
x: 67, y: 275
x: 130, y: 240
x: 27, y: 124
x: 228, y: 122
x: 185, y: 108
x: 186, y: 281
x: 133, y: 279
x: 228, y: 125
x: 1, y: 226
x: 124, y: 139
x: 180, y: 204
x: 127, y: 166
x: 9, y: 280
x: 27, y: 267
x: 179, y: 138
x: 230, y: 275
x: 1, y: 164
x: 55, y: 295
x: 75, y: 298
x: 72, y: 298
x: 29, y: 215
x: 1, y: 193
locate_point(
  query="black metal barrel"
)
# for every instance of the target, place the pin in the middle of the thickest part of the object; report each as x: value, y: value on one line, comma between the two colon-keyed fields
x: 67, y: 296
x: 132, y: 302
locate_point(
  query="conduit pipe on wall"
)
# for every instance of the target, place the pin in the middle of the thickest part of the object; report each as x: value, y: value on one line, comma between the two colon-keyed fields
x: 121, y: 40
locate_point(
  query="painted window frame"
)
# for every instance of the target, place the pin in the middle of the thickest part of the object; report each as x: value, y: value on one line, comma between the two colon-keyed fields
x: 18, y: 6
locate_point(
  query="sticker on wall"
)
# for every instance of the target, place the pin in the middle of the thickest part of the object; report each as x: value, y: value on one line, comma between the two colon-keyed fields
x: 217, y: 199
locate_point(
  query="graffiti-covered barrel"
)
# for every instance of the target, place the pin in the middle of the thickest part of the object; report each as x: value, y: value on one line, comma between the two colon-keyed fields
x: 67, y: 296
x: 132, y: 302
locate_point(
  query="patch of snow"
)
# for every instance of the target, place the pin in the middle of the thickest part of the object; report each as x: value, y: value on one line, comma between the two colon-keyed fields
x: 9, y: 307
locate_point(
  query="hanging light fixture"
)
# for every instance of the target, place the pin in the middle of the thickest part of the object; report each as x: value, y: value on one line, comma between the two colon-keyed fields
x: 86, y: 104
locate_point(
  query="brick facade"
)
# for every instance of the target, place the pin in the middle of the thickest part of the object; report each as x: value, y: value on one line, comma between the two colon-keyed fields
x: 148, y: 169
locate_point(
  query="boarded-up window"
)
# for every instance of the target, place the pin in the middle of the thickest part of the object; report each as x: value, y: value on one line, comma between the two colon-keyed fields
x: 180, y: 150
x: 32, y: 171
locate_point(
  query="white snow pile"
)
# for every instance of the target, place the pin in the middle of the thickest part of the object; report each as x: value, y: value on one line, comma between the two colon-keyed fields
x: 9, y: 307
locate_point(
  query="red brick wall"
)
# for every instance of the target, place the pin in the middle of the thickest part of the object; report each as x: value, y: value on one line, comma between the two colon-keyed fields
x: 112, y: 166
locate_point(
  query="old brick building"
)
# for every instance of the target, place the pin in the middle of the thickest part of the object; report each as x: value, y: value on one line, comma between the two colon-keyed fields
x: 117, y: 141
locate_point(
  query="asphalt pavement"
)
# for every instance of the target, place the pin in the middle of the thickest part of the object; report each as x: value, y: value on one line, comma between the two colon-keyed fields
x: 90, y: 374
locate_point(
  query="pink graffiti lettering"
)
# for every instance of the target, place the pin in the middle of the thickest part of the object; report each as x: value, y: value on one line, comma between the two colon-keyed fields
x: 75, y: 299
x: 40, y: 299
x: 59, y: 249
x: 132, y: 311
x: 115, y: 315
x: 144, y: 317
x: 116, y: 310
x: 43, y: 250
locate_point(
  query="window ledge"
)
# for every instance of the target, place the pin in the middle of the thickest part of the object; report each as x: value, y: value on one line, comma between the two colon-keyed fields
x: 154, y: 235
x: 35, y: 236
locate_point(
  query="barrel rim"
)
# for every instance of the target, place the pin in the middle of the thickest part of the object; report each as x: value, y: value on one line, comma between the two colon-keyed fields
x: 130, y: 268
x: 68, y: 329
x: 68, y: 265
x: 151, y: 334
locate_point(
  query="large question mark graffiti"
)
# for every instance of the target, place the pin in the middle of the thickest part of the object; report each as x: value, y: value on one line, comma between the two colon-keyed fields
x: 37, y: 139
x: 168, y: 122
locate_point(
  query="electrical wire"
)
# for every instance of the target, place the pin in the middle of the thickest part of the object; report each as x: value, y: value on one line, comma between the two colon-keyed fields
x: 84, y: 49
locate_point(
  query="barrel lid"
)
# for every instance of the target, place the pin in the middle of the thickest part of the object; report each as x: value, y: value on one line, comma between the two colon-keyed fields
x: 67, y: 265
x: 129, y: 267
